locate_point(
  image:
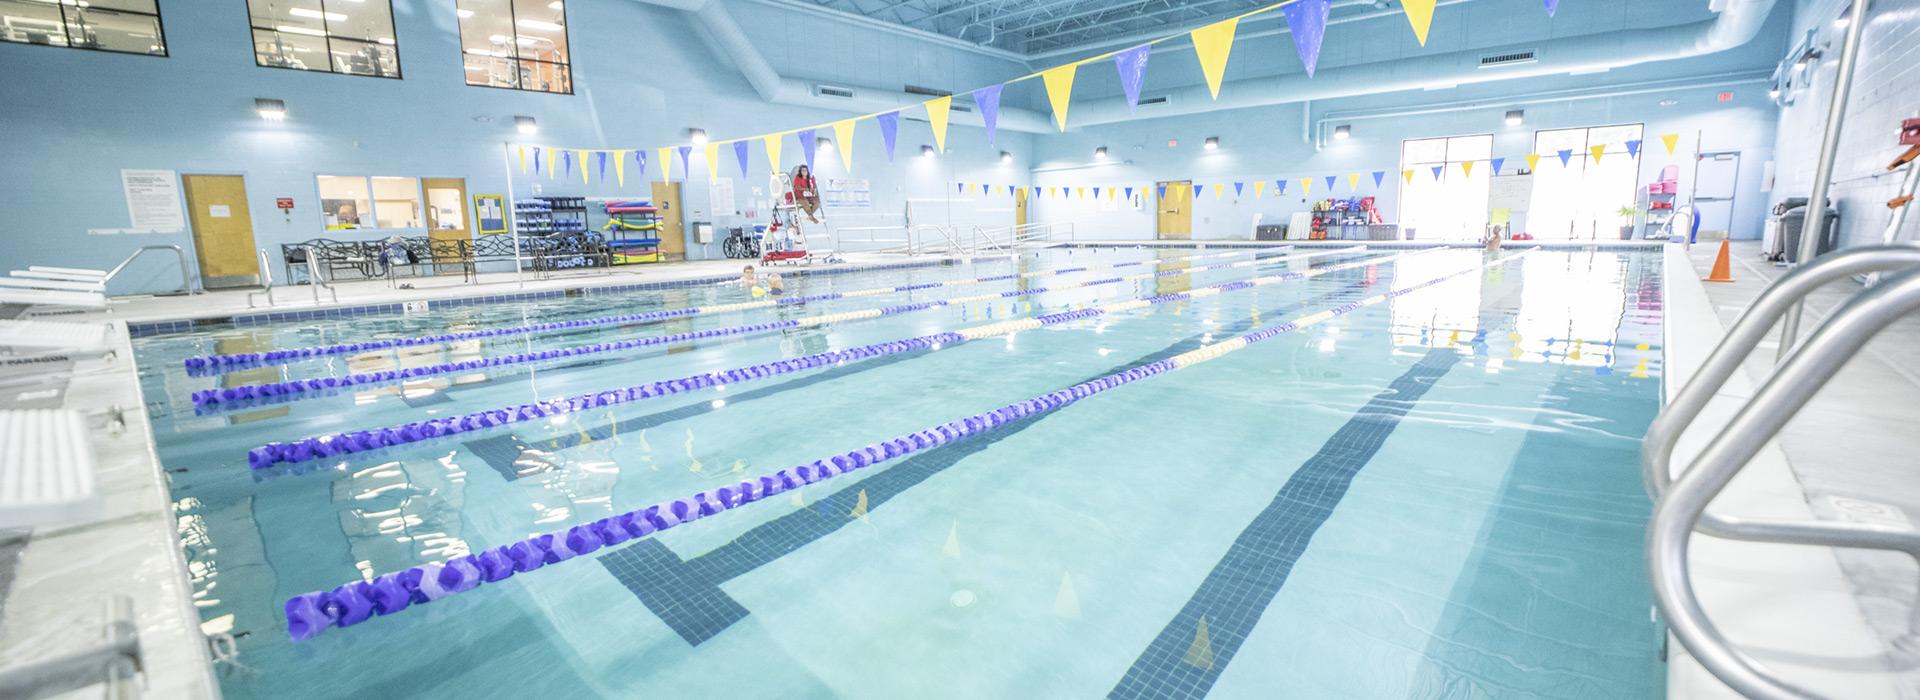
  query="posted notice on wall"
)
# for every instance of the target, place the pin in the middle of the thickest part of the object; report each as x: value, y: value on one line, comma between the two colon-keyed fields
x: 846, y: 193
x: 720, y: 197
x: 153, y: 201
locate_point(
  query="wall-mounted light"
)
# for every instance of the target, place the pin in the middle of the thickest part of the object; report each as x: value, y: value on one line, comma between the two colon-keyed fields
x: 926, y: 151
x: 1213, y: 143
x: 1669, y: 103
x: 1006, y: 156
x: 270, y: 109
x: 822, y: 143
x: 1342, y: 132
x: 1516, y: 117
x: 698, y: 136
x: 526, y: 125
x: 1100, y: 153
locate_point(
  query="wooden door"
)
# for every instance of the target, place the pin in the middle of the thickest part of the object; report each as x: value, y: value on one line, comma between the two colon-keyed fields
x: 673, y: 228
x: 448, y: 218
x: 222, y: 230
x: 1020, y: 207
x: 1176, y: 211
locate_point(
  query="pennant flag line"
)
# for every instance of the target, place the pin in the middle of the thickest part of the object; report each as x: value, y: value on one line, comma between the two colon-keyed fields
x: 843, y: 137
x: 1533, y: 162
x: 684, y: 170
x: 600, y: 158
x: 1239, y: 188
x: 1330, y: 180
x: 712, y: 153
x: 1162, y: 191
x: 1437, y: 170
x: 1279, y: 187
x: 641, y: 158
x: 583, y: 167
x: 740, y: 154
x: 772, y: 142
x: 1259, y: 188
x: 1213, y: 43
x: 1378, y: 177
x: 1466, y: 168
x: 666, y: 165
x: 889, y: 131
x: 1566, y: 156
x: 1307, y: 20
x: 1598, y: 151
x: 1496, y: 163
x: 1218, y: 190
x: 1671, y: 140
x: 938, y: 109
x: 1353, y: 182
x: 1552, y: 7
x: 1633, y: 148
x: 1132, y: 64
x: 988, y: 100
x: 1306, y: 185
x: 1059, y: 83
x: 809, y: 146
x: 1197, y: 188
x: 620, y: 167
x: 523, y: 159
x: 1408, y: 174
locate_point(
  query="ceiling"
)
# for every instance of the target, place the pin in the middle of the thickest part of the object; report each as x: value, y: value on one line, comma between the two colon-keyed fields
x: 1044, y: 26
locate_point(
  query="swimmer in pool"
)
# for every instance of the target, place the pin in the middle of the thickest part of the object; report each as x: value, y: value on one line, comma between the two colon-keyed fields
x: 774, y: 286
x: 747, y: 278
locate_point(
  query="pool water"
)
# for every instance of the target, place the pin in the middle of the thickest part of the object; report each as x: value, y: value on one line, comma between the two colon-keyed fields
x: 1434, y: 496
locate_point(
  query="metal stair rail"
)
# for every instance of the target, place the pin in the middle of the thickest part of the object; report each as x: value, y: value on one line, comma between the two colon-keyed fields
x: 1680, y: 504
x: 186, y: 277
x: 266, y: 282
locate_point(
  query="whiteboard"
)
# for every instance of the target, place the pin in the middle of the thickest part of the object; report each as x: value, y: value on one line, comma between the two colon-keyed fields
x: 1511, y: 192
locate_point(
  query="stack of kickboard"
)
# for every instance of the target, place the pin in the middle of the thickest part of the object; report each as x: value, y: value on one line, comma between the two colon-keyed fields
x: 633, y: 231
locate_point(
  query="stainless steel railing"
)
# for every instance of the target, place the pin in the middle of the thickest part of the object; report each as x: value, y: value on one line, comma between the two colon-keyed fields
x: 115, y: 660
x: 314, y: 279
x: 186, y: 277
x: 266, y: 281
x: 1681, y: 503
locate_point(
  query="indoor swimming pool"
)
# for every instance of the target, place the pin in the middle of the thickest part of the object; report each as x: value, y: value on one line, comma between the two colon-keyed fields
x: 1249, y: 472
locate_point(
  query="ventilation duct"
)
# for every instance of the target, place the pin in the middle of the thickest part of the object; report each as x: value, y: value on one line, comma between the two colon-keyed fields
x: 1507, y: 59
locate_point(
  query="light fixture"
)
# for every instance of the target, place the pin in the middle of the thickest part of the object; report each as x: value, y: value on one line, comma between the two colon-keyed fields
x: 698, y: 136
x: 538, y: 24
x: 1516, y: 117
x: 926, y: 151
x: 1006, y: 157
x: 270, y: 109
x: 1669, y: 103
x: 822, y: 143
x: 526, y: 125
x: 1342, y: 132
x: 1213, y: 143
x: 1100, y: 153
x: 1773, y: 94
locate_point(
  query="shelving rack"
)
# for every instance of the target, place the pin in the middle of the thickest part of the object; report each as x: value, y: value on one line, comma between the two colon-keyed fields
x: 1661, y: 195
x: 632, y: 231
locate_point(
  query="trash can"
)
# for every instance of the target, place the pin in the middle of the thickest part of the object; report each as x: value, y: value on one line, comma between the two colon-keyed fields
x: 1792, y: 223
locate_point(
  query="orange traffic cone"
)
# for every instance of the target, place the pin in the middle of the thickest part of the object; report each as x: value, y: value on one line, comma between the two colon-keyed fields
x: 1722, y: 265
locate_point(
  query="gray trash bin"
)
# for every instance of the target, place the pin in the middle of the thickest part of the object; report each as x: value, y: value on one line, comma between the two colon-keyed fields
x: 1793, y: 221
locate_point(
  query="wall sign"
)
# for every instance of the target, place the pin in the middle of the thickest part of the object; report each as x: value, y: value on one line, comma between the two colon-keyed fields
x: 284, y: 203
x: 491, y: 211
x: 846, y: 193
x: 153, y: 201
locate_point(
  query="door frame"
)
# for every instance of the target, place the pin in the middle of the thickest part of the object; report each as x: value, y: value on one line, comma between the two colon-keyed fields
x: 1179, y: 189
x: 1733, y: 196
x: 193, y: 234
x: 429, y: 218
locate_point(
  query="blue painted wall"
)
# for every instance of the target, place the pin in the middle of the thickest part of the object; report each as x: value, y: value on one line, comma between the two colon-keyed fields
x: 643, y: 75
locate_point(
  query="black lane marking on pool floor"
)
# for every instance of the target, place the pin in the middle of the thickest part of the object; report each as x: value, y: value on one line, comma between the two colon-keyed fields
x: 686, y: 594
x: 1246, y: 579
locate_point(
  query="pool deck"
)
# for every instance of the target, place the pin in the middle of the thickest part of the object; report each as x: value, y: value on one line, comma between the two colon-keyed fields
x: 1815, y: 625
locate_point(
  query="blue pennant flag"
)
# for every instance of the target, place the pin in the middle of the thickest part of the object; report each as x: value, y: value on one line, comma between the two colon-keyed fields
x: 1161, y: 191
x: 808, y: 144
x: 1566, y: 157
x: 641, y: 158
x: 1633, y: 148
x: 1279, y: 187
x: 1196, y: 190
x: 1129, y: 193
x: 988, y: 100
x: 1133, y: 70
x: 684, y: 150
x: 1437, y: 170
x: 889, y: 131
x: 1379, y: 176
x: 1331, y: 181
x: 566, y: 162
x: 1496, y: 163
x: 600, y: 158
x: 1307, y: 20
x: 1096, y: 193
x: 740, y: 154
x: 536, y: 159
x: 1239, y: 188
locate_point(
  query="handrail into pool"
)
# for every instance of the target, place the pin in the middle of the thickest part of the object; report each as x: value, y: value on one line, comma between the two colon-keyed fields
x: 1681, y: 503
x: 266, y: 282
x: 314, y: 279
x: 354, y: 602
x: 186, y: 277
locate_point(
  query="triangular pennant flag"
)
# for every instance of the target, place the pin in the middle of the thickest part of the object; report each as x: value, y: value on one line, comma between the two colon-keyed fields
x: 1533, y: 162
x: 620, y: 167
x: 889, y: 131
x: 843, y: 137
x: 1113, y: 192
x: 985, y: 189
x: 740, y: 154
x: 1259, y: 188
x: 1197, y: 189
x: 1213, y: 43
x: 1279, y: 187
x: 1307, y: 20
x: 1598, y: 151
x: 1671, y: 140
x: 553, y: 163
x: 1420, y: 15
x: 711, y: 151
x: 1010, y: 191
x: 960, y: 187
x: 1306, y: 185
x: 1096, y: 193
x: 1059, y: 82
x: 1466, y: 168
x: 684, y: 170
x: 1379, y: 176
x: 1633, y: 148
x: 1133, y: 71
x: 988, y: 100
x: 1129, y: 193
x: 523, y: 158
x: 1331, y: 180
x: 1080, y: 192
x: 773, y: 143
x: 1437, y: 170
x: 1552, y: 7
x: 1239, y: 188
x: 1407, y: 175
x: 666, y: 165
x: 1496, y: 163
x: 1566, y: 157
x: 536, y: 160
x: 641, y: 158
x: 566, y: 161
x: 583, y: 166
x: 809, y: 146
x: 1353, y: 182
x: 1218, y: 190
x: 600, y: 158
x: 937, y: 111
x: 1161, y: 191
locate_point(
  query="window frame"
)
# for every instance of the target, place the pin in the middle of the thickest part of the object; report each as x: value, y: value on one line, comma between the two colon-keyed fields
x: 1448, y: 167
x: 513, y: 21
x: 373, y: 202
x: 399, y: 65
x: 1584, y: 156
x: 159, y: 24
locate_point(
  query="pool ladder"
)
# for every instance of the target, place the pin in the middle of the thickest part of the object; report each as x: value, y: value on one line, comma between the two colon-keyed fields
x: 1680, y: 504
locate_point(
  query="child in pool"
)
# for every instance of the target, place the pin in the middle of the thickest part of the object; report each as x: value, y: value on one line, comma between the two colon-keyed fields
x: 774, y: 285
x: 748, y: 279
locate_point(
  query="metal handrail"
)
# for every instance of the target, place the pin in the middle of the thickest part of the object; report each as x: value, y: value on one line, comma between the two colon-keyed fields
x: 266, y: 281
x: 314, y: 280
x: 116, y: 659
x: 186, y: 277
x: 1682, y: 503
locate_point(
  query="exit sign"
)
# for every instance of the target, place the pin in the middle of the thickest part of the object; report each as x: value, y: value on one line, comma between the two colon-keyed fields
x: 1726, y: 97
x: 284, y: 203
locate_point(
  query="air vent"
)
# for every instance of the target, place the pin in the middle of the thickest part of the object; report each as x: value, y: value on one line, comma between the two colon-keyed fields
x: 917, y: 90
x: 832, y: 91
x: 1155, y: 100
x: 1508, y: 59
x: 957, y: 107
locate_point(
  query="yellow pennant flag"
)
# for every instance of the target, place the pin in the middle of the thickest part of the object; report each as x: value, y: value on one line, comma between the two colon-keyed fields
x: 1407, y: 175
x: 1353, y: 181
x: 580, y: 157
x: 773, y: 150
x: 620, y: 167
x: 1213, y: 43
x: 712, y: 152
x: 1218, y: 189
x: 1466, y: 168
x: 666, y: 164
x: 1672, y: 141
x: 937, y: 111
x: 1420, y: 15
x: 553, y: 159
x: 843, y: 137
x: 1059, y: 83
x: 523, y: 159
x: 1598, y: 151
x: 1259, y: 188
x: 1533, y: 161
x: 1113, y: 192
x: 1306, y: 185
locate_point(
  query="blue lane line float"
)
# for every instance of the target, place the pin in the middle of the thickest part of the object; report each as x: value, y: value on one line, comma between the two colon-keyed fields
x: 220, y: 364
x: 276, y: 392
x: 357, y: 441
x: 310, y: 614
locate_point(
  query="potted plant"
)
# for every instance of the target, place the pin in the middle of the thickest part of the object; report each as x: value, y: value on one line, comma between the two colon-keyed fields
x: 1626, y: 214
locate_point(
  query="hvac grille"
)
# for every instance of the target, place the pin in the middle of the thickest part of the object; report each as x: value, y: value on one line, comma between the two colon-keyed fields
x: 1507, y: 59
x: 832, y: 91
